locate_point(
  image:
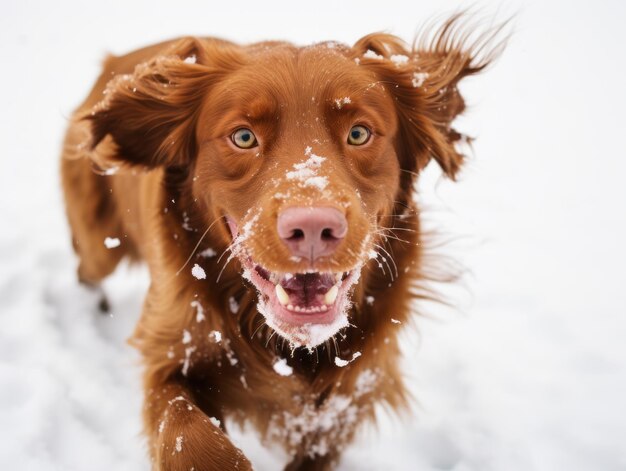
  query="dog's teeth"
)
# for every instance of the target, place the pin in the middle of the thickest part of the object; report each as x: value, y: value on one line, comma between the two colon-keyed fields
x: 323, y: 307
x: 338, y: 277
x: 331, y: 295
x: 290, y: 307
x: 297, y: 309
x: 282, y: 295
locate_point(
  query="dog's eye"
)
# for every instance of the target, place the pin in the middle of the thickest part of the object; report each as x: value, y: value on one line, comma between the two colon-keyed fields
x: 358, y: 135
x: 244, y: 138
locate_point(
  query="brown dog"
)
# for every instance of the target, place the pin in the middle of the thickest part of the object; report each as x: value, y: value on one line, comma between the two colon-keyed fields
x: 269, y: 188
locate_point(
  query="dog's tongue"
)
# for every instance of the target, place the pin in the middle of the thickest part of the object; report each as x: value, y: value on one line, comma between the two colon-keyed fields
x: 305, y: 288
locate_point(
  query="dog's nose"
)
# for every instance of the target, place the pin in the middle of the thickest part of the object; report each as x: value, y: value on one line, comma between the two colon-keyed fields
x: 312, y: 232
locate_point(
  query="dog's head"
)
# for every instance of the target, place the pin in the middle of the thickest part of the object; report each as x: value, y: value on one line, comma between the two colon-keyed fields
x: 303, y: 153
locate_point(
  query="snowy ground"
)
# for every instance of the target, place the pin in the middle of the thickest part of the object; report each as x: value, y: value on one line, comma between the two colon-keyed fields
x: 528, y: 374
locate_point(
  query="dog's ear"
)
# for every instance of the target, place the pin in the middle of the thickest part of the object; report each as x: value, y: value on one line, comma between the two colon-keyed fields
x: 151, y: 113
x: 423, y: 81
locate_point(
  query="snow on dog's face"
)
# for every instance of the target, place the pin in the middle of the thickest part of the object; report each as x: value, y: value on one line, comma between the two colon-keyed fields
x: 301, y: 151
x: 307, y: 155
x: 302, y: 166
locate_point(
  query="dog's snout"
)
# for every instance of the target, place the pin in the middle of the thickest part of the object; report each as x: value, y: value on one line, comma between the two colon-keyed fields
x: 312, y: 232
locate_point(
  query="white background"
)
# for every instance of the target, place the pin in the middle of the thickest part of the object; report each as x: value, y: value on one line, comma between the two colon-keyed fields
x: 527, y: 374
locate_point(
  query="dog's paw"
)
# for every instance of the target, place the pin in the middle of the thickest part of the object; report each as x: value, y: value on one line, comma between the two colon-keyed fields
x: 189, y: 439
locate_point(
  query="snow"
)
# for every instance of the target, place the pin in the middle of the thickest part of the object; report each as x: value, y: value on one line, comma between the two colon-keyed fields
x: 215, y: 421
x: 341, y: 362
x: 111, y: 242
x: 369, y: 54
x: 317, y: 182
x: 282, y: 368
x: 186, y: 337
x: 419, y: 78
x: 179, y: 444
x: 307, y: 172
x: 199, y: 310
x: 198, y: 272
x: 187, y: 361
x: 233, y: 305
x: 208, y: 253
x: 399, y: 59
x: 529, y: 375
x: 339, y: 102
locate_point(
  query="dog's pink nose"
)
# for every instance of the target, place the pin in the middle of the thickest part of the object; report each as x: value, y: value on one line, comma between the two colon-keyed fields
x: 312, y: 232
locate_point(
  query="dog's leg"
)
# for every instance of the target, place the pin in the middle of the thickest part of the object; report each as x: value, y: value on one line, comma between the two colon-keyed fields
x: 92, y: 214
x: 103, y: 301
x: 183, y: 437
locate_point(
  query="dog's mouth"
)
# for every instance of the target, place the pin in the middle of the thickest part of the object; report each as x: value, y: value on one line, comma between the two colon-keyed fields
x: 305, y: 308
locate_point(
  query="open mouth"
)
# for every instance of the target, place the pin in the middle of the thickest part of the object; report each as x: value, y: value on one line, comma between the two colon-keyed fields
x: 305, y: 308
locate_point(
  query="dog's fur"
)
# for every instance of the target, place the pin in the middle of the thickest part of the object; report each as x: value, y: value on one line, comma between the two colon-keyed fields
x: 147, y: 159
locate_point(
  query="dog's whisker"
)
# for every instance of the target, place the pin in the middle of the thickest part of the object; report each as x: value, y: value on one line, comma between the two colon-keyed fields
x: 399, y: 229
x: 415, y: 174
x: 335, y: 344
x: 386, y: 235
x: 270, y: 337
x: 204, y: 234
x: 380, y: 265
x: 390, y: 257
x: 219, y: 276
x: 328, y: 352
x: 258, y: 328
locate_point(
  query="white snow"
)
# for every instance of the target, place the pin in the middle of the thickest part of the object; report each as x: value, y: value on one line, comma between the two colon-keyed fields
x: 187, y: 359
x: 399, y: 59
x: 528, y: 376
x: 340, y: 362
x: 282, y: 368
x: 190, y: 60
x: 233, y: 305
x: 215, y: 336
x: 111, y: 242
x: 369, y: 54
x: 199, y: 310
x: 186, y: 337
x: 307, y: 172
x: 208, y: 253
x: 317, y: 182
x: 215, y: 421
x: 339, y: 102
x: 179, y: 444
x: 111, y: 170
x: 419, y: 78
x: 198, y: 272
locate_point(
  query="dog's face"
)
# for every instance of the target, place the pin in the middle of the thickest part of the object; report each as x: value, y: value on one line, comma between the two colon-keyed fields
x: 296, y: 153
x: 303, y: 154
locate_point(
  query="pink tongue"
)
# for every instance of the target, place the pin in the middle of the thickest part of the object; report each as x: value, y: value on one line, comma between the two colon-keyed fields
x: 304, y: 288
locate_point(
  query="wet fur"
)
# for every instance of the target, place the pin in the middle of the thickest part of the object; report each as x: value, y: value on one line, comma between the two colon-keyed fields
x: 158, y: 98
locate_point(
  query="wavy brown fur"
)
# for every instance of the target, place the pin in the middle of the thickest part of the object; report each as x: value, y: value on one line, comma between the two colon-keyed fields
x: 153, y: 128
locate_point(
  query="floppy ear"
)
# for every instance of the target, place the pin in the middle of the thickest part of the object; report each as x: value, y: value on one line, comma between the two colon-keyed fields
x: 151, y: 113
x: 423, y: 81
